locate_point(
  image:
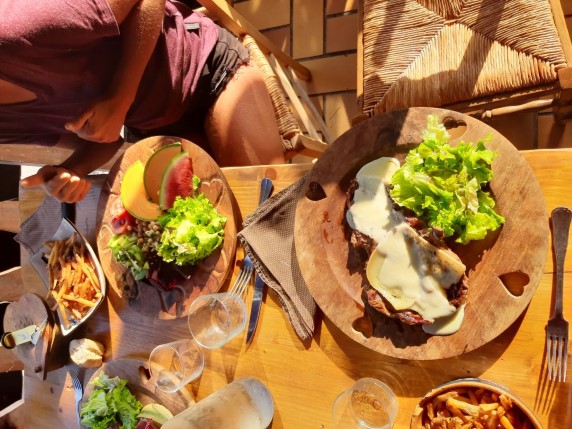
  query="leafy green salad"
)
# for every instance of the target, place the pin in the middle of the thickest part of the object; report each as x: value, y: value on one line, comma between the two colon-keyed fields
x: 192, y: 230
x: 112, y: 403
x: 447, y: 186
x: 186, y: 233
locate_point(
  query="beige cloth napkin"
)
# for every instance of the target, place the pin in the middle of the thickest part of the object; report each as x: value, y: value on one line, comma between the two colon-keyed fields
x: 268, y: 239
x: 44, y: 222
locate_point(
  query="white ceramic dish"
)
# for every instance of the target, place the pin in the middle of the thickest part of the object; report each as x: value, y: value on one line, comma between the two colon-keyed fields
x: 39, y: 261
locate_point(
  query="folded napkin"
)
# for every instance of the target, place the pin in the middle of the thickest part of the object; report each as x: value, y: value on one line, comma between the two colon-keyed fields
x: 268, y: 239
x: 44, y: 222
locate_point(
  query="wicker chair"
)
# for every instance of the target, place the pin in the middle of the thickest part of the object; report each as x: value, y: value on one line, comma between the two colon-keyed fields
x: 301, y: 126
x: 481, y: 57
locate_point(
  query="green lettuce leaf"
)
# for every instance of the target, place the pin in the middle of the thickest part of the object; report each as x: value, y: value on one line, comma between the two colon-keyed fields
x: 445, y: 185
x: 126, y: 251
x: 192, y: 230
x: 110, y: 402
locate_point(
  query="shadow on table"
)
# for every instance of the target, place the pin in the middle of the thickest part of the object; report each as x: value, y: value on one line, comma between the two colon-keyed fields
x: 411, y: 378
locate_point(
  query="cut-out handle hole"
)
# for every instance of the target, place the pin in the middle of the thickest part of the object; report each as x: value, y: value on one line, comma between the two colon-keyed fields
x: 515, y: 282
x: 144, y: 374
x: 363, y: 326
x: 315, y: 192
x: 455, y: 127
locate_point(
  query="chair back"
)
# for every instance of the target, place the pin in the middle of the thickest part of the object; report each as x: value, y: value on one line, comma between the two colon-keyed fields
x: 472, y: 57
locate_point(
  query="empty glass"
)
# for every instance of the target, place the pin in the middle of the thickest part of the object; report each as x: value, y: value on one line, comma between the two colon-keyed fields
x: 368, y: 404
x: 216, y: 319
x: 175, y: 364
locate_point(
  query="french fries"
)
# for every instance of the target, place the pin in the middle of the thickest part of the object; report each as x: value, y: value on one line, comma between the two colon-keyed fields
x: 74, y: 286
x: 473, y: 408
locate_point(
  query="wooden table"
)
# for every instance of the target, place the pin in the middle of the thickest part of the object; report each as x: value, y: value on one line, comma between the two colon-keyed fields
x: 306, y: 377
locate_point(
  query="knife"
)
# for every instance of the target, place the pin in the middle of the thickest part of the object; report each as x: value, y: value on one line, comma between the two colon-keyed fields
x: 29, y: 334
x: 265, y: 190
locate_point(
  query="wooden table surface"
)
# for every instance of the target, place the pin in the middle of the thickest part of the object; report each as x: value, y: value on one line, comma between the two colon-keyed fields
x: 306, y: 377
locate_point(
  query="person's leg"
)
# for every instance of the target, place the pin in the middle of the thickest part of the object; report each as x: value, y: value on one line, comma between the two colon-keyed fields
x: 241, y: 126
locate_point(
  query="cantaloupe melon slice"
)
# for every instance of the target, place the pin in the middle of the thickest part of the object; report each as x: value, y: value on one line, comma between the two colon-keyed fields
x: 134, y: 196
x: 156, y: 166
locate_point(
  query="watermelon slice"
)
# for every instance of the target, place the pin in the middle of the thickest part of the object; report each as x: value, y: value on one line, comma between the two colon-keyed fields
x: 177, y: 181
x: 155, y: 168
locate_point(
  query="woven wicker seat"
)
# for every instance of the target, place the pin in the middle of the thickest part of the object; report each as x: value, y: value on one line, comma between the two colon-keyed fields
x: 467, y: 55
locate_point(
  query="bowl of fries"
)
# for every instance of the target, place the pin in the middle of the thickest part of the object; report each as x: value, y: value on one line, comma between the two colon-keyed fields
x: 71, y: 271
x: 472, y: 403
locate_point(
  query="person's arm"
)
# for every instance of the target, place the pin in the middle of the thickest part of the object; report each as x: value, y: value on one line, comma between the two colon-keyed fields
x: 140, y: 23
x: 67, y: 181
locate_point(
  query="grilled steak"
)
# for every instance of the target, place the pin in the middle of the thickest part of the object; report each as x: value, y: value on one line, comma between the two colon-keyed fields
x: 456, y: 294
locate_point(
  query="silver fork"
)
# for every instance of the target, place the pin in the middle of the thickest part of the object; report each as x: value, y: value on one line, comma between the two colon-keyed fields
x: 77, y: 387
x: 243, y: 279
x: 557, y: 327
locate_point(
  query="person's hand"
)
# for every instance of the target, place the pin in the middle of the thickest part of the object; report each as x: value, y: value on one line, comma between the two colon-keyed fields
x: 101, y: 122
x: 59, y: 182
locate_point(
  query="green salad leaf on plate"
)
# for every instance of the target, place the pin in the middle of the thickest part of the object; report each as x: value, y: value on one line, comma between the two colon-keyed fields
x: 192, y: 230
x: 125, y: 250
x: 111, y: 402
x: 446, y: 186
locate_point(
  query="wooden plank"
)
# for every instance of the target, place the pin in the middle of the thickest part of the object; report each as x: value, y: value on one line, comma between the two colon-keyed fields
x: 11, y: 284
x: 9, y: 216
x: 309, y: 146
x: 315, y: 115
x: 239, y: 25
x: 561, y: 27
x: 305, y: 384
x: 31, y: 154
x: 304, y: 117
x: 359, y: 60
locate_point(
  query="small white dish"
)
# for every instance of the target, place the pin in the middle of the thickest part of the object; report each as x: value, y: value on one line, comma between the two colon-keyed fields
x: 39, y: 262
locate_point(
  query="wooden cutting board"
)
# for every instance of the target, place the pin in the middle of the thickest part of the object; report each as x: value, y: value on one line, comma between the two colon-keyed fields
x: 209, y: 274
x: 141, y: 385
x: 29, y: 310
x: 504, y: 269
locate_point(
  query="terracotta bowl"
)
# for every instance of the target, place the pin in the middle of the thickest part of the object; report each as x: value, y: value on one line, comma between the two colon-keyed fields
x: 472, y: 384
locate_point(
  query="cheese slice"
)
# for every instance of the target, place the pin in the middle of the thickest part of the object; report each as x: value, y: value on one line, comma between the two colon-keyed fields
x: 446, y: 325
x: 371, y: 211
x: 412, y: 274
x: 406, y: 269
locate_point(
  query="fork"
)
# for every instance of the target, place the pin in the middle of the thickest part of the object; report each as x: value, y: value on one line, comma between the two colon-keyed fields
x: 243, y: 279
x: 557, y: 327
x: 78, y: 389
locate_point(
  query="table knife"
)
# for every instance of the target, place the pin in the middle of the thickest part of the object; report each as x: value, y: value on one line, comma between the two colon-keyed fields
x: 265, y: 190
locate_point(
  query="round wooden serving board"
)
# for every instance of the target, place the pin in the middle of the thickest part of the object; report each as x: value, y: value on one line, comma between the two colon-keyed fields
x: 142, y: 387
x: 503, y: 269
x: 209, y: 274
x: 29, y: 310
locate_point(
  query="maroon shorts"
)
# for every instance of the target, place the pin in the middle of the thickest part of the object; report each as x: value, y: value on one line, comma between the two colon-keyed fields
x: 225, y: 58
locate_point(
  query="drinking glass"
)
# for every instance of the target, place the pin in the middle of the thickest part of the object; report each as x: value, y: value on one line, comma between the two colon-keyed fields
x: 368, y: 404
x: 175, y: 364
x: 216, y: 319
